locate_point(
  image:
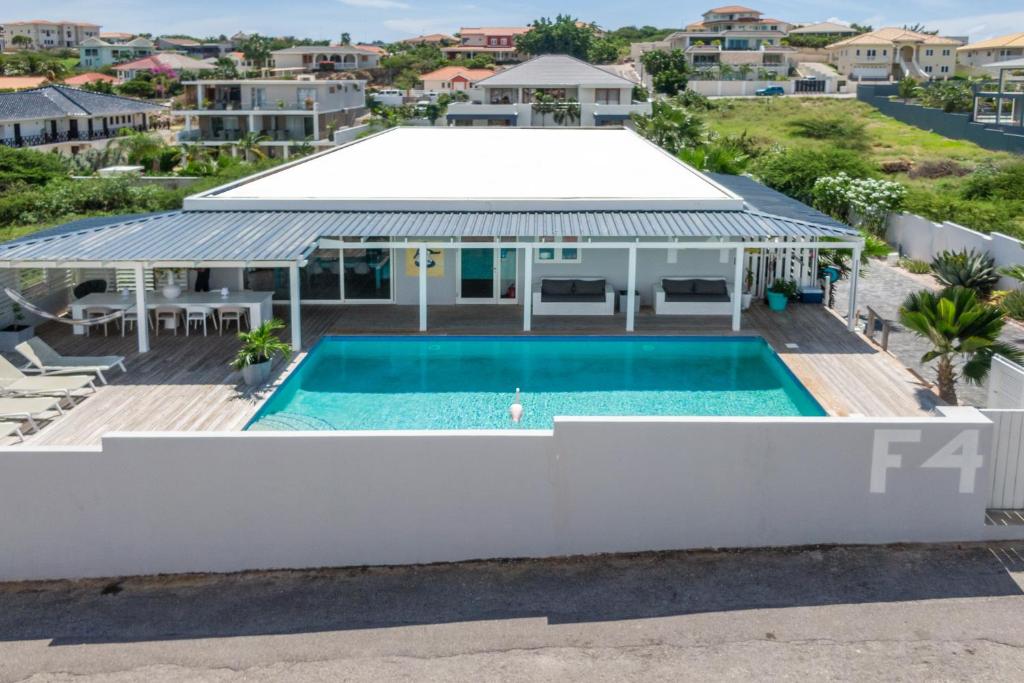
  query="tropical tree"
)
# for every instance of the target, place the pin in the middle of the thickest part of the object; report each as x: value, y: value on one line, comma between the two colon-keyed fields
x: 134, y: 147
x: 249, y: 145
x: 225, y: 68
x: 543, y: 104
x: 20, y: 41
x: 346, y: 39
x: 670, y: 71
x: 671, y: 127
x: 567, y: 112
x: 256, y: 49
x: 716, y: 158
x: 963, y: 332
x: 563, y: 36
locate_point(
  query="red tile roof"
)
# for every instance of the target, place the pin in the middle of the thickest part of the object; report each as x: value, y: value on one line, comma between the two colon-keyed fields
x: 447, y: 73
x: 91, y: 77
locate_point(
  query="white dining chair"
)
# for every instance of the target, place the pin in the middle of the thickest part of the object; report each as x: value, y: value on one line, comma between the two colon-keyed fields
x: 168, y: 314
x: 198, y: 315
x: 97, y: 312
x: 229, y: 314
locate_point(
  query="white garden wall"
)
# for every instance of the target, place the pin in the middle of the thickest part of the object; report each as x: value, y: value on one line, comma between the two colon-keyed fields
x: 145, y: 503
x: 736, y: 88
x: 919, y: 238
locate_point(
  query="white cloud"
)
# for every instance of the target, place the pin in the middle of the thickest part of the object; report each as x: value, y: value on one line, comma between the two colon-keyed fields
x: 837, y: 20
x: 376, y: 4
x: 978, y: 26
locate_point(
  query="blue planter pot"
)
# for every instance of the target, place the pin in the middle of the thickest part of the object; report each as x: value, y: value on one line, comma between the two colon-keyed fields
x: 777, y: 301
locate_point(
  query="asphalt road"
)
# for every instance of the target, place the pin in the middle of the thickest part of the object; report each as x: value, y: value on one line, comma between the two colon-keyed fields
x: 906, y: 613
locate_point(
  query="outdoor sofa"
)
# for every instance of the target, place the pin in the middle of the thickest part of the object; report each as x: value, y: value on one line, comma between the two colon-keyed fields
x: 707, y: 295
x: 573, y: 296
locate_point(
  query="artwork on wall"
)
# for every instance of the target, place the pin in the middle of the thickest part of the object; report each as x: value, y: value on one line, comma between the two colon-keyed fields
x: 435, y: 262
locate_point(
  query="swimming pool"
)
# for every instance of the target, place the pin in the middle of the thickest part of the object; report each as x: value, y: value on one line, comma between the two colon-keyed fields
x: 348, y: 383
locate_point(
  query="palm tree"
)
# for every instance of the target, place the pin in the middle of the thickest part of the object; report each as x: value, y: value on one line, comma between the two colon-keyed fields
x: 567, y: 112
x: 671, y: 127
x: 249, y: 144
x: 958, y: 327
x: 543, y: 104
x: 134, y: 146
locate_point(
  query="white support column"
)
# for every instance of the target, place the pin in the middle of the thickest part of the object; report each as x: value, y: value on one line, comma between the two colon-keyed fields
x: 424, y: 255
x: 252, y: 122
x: 737, y: 291
x: 295, y: 306
x: 142, y: 319
x: 854, y: 275
x: 527, y: 288
x: 316, y: 122
x: 631, y: 291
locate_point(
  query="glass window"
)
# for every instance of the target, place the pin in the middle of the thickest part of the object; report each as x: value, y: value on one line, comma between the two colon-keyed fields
x: 367, y: 273
x: 606, y: 96
x: 558, y: 254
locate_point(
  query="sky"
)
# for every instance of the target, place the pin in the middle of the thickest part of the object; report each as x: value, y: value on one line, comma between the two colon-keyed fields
x: 388, y: 20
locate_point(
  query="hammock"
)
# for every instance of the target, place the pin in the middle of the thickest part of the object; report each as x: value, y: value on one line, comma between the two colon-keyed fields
x: 32, y: 308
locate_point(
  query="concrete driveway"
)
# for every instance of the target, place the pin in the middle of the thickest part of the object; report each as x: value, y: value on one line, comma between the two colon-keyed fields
x: 906, y: 613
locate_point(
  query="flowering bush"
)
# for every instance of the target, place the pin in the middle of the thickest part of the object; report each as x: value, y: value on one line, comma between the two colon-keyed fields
x: 870, y: 200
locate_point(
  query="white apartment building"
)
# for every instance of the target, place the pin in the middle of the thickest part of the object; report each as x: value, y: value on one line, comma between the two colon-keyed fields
x: 581, y: 95
x: 304, y: 58
x: 48, y: 34
x: 283, y: 112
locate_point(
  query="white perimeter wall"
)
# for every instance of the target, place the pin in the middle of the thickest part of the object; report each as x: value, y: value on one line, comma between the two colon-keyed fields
x: 736, y: 88
x: 148, y: 503
x: 921, y: 239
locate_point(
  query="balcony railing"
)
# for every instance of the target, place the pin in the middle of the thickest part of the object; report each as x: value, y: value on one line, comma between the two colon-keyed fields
x: 67, y: 136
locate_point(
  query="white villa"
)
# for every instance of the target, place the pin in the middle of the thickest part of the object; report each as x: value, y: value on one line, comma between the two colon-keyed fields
x: 891, y: 53
x: 69, y: 120
x: 286, y: 112
x: 597, y: 96
x: 734, y: 36
x: 97, y: 52
x: 46, y: 35
x: 974, y: 56
x: 578, y: 238
x: 304, y: 58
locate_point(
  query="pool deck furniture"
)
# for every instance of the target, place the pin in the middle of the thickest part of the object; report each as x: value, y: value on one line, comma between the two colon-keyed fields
x: 11, y: 428
x: 259, y: 304
x: 14, y: 381
x: 42, y: 358
x: 185, y: 383
x: 574, y: 296
x: 29, y: 409
x: 707, y: 295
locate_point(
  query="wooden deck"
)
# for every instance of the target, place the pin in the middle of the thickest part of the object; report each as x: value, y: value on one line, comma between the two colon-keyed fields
x: 185, y: 383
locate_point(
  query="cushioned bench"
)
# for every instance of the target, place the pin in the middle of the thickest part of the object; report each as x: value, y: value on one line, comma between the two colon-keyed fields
x: 573, y: 296
x: 693, y: 296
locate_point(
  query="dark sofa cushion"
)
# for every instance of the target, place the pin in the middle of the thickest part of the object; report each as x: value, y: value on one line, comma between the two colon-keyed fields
x: 694, y: 298
x: 556, y: 288
x: 677, y: 287
x: 588, y: 287
x: 571, y: 298
x: 709, y: 287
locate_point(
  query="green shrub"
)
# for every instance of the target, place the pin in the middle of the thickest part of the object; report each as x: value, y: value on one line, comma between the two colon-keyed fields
x: 980, y: 215
x: 842, y: 131
x: 970, y: 269
x: 915, y: 266
x: 996, y: 183
x: 27, y: 166
x: 794, y: 172
x: 1013, y: 304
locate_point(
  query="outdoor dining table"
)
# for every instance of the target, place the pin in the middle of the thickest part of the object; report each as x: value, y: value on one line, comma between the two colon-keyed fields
x: 260, y: 304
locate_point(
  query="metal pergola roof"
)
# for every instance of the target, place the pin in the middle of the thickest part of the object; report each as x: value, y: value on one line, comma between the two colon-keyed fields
x: 281, y: 237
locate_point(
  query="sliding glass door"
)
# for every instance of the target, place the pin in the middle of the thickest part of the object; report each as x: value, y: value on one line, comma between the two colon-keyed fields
x: 367, y: 274
x: 487, y: 273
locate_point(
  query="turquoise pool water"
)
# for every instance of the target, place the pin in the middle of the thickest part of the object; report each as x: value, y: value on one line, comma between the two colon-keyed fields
x: 350, y: 383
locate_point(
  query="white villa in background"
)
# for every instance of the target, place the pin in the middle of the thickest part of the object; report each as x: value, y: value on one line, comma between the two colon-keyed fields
x: 287, y: 112
x: 94, y: 53
x: 973, y: 56
x: 892, y: 53
x: 47, y: 34
x: 307, y: 58
x: 736, y: 36
x: 450, y: 78
x: 824, y: 28
x: 507, y: 98
x: 56, y: 118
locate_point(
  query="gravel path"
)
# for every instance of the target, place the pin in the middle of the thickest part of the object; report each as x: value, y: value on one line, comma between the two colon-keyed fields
x: 883, y: 288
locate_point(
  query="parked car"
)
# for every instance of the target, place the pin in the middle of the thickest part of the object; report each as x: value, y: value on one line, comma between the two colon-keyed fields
x: 770, y: 91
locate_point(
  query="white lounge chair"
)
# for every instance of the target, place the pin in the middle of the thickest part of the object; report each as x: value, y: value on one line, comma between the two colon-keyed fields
x: 43, y: 358
x: 28, y: 409
x: 8, y: 428
x: 14, y: 381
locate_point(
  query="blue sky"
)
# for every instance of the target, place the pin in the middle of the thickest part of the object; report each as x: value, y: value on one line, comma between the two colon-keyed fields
x: 392, y: 19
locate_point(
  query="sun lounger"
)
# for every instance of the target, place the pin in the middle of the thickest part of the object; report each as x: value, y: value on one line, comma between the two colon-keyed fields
x: 14, y: 381
x: 28, y: 409
x: 43, y: 358
x: 8, y: 428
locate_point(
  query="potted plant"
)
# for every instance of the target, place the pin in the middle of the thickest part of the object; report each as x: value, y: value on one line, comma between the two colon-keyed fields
x: 748, y: 289
x: 780, y: 293
x: 280, y: 104
x: 259, y: 347
x: 309, y: 103
x: 18, y: 331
